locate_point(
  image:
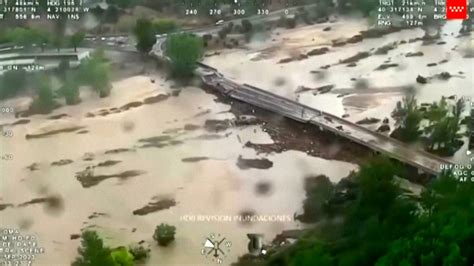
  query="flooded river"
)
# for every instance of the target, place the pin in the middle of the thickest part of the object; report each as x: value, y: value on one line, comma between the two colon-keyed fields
x: 359, y: 90
x: 148, y: 148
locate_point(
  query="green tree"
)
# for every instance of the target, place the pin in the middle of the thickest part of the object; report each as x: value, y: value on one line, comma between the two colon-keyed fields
x: 44, y: 101
x: 444, y: 124
x: 122, y: 257
x: 70, y: 89
x: 318, y: 191
x: 407, y: 117
x: 43, y: 38
x: 95, y: 73
x: 93, y: 252
x: 164, y: 234
x: 58, y: 43
x: 384, y: 226
x: 443, y: 233
x: 76, y: 39
x: 22, y: 36
x: 139, y: 252
x: 145, y: 34
x: 459, y: 108
x: 12, y: 82
x: 184, y: 50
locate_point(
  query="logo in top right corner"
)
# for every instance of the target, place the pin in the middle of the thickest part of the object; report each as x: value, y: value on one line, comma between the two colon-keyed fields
x: 456, y: 9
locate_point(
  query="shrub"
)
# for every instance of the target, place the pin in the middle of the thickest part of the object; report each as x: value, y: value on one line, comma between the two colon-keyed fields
x: 122, y: 257
x: 246, y: 25
x: 93, y: 251
x: 164, y: 234
x: 139, y: 252
x: 184, y: 50
x: 12, y: 82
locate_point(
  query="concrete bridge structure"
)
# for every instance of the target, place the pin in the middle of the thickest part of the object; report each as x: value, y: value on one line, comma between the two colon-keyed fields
x: 375, y: 141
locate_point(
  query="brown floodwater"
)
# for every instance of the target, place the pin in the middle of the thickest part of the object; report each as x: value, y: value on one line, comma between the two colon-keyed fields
x: 173, y: 187
x: 359, y: 91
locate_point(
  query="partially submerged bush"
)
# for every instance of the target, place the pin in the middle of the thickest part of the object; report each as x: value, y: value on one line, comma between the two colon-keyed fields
x: 164, y: 234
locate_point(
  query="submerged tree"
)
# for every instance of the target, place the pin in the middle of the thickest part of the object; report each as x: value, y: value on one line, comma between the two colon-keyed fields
x: 44, y: 101
x: 384, y: 226
x: 12, y: 82
x: 145, y: 34
x: 444, y: 125
x: 442, y: 233
x: 70, y: 89
x: 407, y: 117
x: 93, y: 252
x: 184, y: 50
x: 95, y: 73
x: 164, y: 234
x: 122, y: 257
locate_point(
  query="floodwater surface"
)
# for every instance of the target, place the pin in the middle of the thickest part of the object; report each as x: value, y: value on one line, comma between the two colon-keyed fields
x: 131, y: 160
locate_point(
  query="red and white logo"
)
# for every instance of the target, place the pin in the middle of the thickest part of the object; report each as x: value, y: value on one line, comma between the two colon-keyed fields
x: 456, y: 9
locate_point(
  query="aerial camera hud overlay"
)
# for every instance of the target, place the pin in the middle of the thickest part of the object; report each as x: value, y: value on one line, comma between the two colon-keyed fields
x: 236, y: 132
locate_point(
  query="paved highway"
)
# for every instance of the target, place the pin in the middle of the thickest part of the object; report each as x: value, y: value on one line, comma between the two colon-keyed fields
x: 126, y: 42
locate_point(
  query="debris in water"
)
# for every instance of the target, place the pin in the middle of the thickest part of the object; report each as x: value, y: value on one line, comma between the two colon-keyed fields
x: 52, y: 203
x: 385, y: 66
x: 62, y: 162
x: 410, y: 54
x: 119, y: 150
x: 55, y: 117
x: 88, y: 179
x: 5, y: 205
x: 156, y: 99
x: 20, y: 122
x: 253, y: 163
x: 190, y: 127
x: 96, y: 215
x: 318, y: 51
x: 131, y: 105
x: 355, y: 58
x: 263, y: 188
x: 368, y: 121
x: 422, y: 80
x: 108, y: 163
x: 53, y: 132
x: 159, y: 205
x: 88, y: 156
x: 33, y: 167
x: 383, y: 128
x: 194, y: 159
